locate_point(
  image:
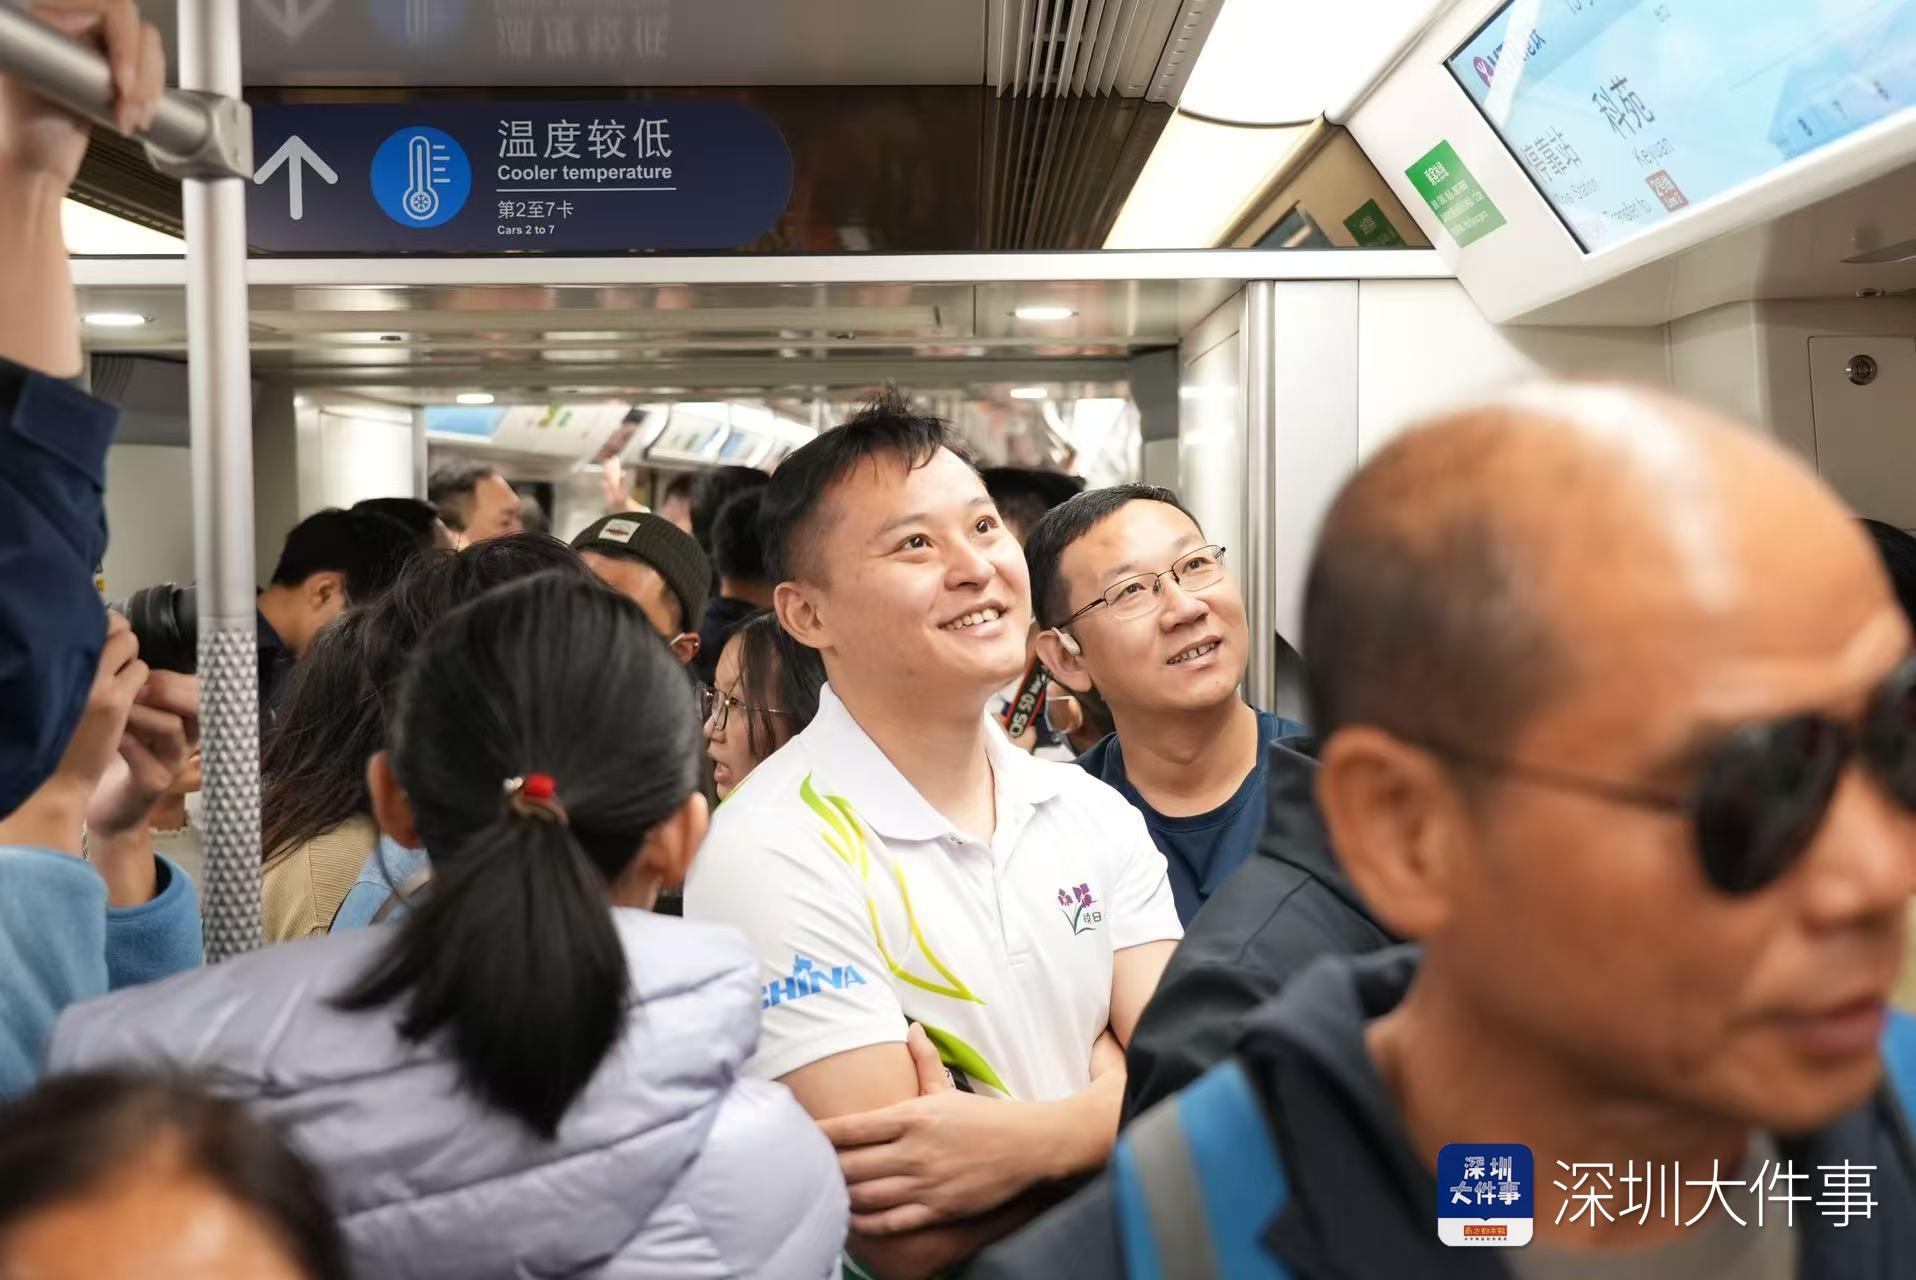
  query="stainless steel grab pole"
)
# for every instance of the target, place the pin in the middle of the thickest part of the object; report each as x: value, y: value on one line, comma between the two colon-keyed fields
x: 1260, y: 425
x: 219, y: 384
x: 192, y: 128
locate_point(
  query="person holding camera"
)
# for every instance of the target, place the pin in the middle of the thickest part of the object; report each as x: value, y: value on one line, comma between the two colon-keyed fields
x: 90, y: 738
x: 331, y: 560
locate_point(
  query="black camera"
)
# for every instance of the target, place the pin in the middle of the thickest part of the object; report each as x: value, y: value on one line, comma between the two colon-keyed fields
x: 166, y: 621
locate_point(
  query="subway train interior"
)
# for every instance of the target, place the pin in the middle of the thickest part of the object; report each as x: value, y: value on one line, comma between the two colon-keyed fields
x: 1230, y: 248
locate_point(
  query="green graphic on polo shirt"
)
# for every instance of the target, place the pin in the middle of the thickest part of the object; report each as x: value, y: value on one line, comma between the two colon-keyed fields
x: 954, y: 1052
x: 845, y: 836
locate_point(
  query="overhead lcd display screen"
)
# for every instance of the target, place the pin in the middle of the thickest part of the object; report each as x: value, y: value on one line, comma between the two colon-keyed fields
x: 1627, y: 112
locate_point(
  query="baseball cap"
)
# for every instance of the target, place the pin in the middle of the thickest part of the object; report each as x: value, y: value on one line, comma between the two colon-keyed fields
x: 654, y: 540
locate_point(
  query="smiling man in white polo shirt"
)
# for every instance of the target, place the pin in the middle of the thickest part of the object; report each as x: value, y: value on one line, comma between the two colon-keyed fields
x: 899, y: 862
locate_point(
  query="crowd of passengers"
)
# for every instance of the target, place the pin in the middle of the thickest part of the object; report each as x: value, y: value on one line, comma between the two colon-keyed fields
x: 1018, y: 944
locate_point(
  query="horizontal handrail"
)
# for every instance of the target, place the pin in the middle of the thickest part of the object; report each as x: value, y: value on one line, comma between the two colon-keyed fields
x: 187, y: 126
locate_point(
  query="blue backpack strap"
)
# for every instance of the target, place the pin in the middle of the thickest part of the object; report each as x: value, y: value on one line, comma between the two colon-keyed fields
x: 1197, y: 1179
x: 1899, y: 1064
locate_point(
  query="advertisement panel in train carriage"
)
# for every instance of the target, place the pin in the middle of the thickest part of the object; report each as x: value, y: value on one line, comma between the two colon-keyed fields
x: 561, y: 430
x: 1626, y: 113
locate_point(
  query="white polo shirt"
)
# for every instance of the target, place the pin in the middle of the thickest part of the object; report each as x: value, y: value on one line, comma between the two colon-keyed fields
x: 869, y: 909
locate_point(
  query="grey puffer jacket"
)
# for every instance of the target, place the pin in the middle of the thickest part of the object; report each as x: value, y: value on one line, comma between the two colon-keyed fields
x: 668, y: 1165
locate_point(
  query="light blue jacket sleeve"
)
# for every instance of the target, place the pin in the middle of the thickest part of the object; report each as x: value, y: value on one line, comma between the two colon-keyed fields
x: 61, y: 944
x: 156, y: 939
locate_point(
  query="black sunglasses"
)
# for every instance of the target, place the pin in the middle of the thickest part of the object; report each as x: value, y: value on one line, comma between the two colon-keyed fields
x: 1766, y: 788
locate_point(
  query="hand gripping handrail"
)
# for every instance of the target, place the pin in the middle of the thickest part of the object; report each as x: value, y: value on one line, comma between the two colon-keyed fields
x: 193, y: 134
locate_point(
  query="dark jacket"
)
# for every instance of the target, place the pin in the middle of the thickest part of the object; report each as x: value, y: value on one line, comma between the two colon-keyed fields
x: 1201, y: 850
x: 53, y: 442
x: 275, y: 665
x: 1289, y: 904
x: 1362, y: 1204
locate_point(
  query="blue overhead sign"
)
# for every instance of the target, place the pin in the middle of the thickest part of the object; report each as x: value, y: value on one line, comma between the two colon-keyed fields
x: 469, y: 178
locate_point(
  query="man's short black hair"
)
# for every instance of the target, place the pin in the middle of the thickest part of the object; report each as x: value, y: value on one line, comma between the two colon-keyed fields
x: 416, y: 514
x: 712, y: 490
x: 368, y: 550
x: 451, y: 489
x: 1024, y: 494
x: 1064, y: 525
x: 884, y: 428
x: 737, y: 552
x: 680, y: 486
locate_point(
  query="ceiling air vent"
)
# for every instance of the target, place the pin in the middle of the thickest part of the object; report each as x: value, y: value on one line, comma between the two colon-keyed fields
x: 1091, y: 48
x: 1057, y: 170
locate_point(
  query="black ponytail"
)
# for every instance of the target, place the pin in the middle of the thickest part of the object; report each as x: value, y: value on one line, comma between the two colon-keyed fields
x: 513, y: 952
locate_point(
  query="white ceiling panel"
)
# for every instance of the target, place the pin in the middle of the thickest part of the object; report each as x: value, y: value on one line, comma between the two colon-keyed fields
x: 607, y: 42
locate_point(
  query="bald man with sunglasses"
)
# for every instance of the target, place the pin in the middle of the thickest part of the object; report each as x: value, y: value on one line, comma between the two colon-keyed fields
x: 1619, y: 719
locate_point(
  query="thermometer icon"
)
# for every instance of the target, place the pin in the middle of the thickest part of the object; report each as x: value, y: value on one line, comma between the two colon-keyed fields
x: 421, y: 201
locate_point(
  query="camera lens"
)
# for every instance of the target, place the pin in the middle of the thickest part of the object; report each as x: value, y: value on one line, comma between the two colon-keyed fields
x: 165, y: 619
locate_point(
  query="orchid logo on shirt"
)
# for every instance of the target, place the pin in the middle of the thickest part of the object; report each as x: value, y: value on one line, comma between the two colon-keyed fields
x: 1079, y: 909
x: 808, y: 979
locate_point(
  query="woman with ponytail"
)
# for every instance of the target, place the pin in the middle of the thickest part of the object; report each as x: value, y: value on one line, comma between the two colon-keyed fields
x: 326, y: 865
x: 531, y: 1074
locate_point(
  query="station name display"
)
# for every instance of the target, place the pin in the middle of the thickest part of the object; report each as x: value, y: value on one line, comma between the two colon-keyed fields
x: 576, y: 177
x: 1627, y: 112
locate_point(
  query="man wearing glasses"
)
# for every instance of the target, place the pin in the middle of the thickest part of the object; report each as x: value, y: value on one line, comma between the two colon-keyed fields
x: 1226, y: 790
x: 1138, y: 604
x: 1619, y: 718
x: 923, y: 895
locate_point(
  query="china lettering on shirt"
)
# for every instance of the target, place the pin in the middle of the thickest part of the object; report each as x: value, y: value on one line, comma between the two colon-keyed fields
x: 808, y: 978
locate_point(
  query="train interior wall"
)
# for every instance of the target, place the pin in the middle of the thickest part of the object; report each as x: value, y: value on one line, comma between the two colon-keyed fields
x: 1350, y: 363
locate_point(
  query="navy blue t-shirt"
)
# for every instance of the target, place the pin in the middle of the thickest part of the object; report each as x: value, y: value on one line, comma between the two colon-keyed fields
x: 1205, y: 848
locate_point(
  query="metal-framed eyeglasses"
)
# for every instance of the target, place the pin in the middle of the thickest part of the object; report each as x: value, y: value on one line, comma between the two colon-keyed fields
x: 1139, y: 594
x: 715, y: 708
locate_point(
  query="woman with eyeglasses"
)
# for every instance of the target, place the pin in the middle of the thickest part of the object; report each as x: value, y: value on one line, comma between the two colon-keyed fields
x: 766, y: 691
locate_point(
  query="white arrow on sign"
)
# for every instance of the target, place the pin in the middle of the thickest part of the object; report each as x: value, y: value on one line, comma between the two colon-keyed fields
x: 293, y: 153
x: 289, y: 17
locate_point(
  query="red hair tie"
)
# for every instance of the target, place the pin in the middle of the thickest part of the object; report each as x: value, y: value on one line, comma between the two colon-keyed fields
x: 535, y: 796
